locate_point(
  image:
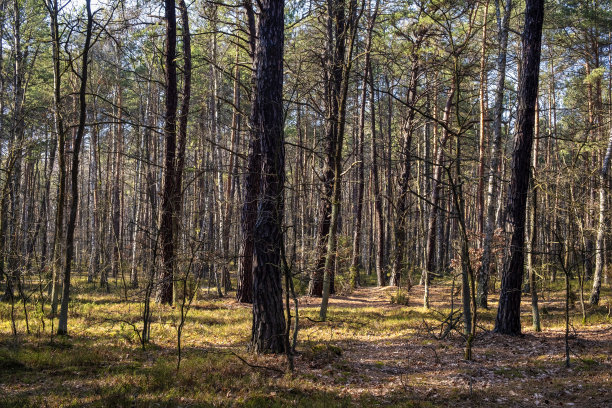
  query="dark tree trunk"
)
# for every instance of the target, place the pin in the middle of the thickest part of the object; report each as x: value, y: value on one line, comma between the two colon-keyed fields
x: 508, y: 313
x: 378, y: 204
x: 341, y: 35
x: 62, y: 327
x: 401, y: 225
x: 435, y: 199
x: 268, y: 331
x: 169, y: 195
x: 244, y: 292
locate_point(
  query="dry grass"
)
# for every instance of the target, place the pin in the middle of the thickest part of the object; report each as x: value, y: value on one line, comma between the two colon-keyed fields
x: 369, y: 353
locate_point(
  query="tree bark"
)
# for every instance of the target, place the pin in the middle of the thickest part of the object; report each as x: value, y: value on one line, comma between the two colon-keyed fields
x: 402, y: 204
x: 58, y: 237
x: 62, y: 327
x: 435, y: 198
x: 357, y: 234
x: 508, y: 313
x: 248, y: 216
x: 599, y: 243
x: 341, y: 35
x: 494, y: 160
x: 169, y: 195
x: 378, y: 205
x: 268, y: 328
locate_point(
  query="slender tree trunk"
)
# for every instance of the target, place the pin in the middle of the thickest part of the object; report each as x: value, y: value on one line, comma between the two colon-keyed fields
x: 357, y: 235
x: 341, y: 35
x: 62, y: 327
x: 116, y: 188
x: 533, y: 234
x: 248, y: 215
x: 508, y: 313
x: 435, y: 198
x: 229, y: 186
x: 344, y: 33
x: 378, y: 205
x: 599, y: 243
x: 496, y: 150
x: 402, y: 204
x: 60, y: 132
x: 482, y: 122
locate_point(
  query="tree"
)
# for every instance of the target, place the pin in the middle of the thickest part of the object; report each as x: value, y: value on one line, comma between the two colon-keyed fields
x: 62, y: 327
x: 268, y: 330
x: 342, y: 19
x: 492, y: 189
x: 508, y: 313
x: 170, y: 195
x: 248, y: 216
x: 599, y: 245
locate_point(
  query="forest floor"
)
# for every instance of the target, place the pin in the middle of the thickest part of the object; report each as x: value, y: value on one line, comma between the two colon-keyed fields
x: 369, y: 353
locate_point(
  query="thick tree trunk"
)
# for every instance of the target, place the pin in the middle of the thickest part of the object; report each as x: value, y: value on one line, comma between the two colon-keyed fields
x: 268, y: 329
x: 169, y: 195
x: 508, y: 313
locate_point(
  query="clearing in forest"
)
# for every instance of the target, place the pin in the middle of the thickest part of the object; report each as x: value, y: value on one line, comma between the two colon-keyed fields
x: 369, y: 353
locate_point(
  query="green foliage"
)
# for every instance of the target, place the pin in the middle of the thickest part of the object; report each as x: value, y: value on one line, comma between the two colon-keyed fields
x: 400, y: 298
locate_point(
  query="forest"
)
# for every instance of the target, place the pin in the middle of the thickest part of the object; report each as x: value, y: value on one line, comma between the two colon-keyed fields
x: 309, y: 203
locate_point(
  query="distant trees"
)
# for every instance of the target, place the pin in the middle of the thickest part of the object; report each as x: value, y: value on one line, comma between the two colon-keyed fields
x: 383, y: 128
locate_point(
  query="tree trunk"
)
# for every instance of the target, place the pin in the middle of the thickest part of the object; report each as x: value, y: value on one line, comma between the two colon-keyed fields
x: 378, y: 205
x: 60, y: 131
x: 435, y: 199
x: 62, y: 327
x: 357, y: 235
x: 482, y: 123
x: 494, y: 160
x: 248, y: 216
x: 169, y: 195
x: 508, y: 313
x: 533, y: 235
x: 341, y: 35
x: 401, y: 225
x: 599, y: 243
x: 268, y: 329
